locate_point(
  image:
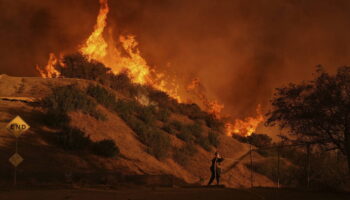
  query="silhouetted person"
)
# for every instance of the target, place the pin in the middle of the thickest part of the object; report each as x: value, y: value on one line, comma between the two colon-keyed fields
x: 215, y: 168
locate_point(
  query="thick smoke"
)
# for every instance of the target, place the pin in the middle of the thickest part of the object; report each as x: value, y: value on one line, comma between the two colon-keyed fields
x: 240, y: 50
x: 30, y: 30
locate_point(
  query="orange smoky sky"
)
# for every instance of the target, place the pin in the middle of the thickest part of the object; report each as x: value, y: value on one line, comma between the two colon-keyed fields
x: 240, y: 50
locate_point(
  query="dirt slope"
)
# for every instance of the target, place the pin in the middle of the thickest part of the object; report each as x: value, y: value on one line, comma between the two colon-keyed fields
x: 42, y: 158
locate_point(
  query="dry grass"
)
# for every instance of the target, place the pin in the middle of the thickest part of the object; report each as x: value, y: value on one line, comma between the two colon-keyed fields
x: 135, y: 159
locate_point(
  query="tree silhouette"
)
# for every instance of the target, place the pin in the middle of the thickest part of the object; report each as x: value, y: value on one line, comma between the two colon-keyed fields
x: 316, y: 111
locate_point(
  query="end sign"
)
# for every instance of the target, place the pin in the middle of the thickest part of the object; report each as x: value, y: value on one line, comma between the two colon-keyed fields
x: 17, y: 126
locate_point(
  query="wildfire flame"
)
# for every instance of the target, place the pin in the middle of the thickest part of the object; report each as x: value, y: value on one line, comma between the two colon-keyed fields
x: 247, y: 126
x: 95, y: 46
x: 49, y: 71
x: 243, y: 127
x: 128, y: 58
x: 138, y: 70
x: 211, y: 106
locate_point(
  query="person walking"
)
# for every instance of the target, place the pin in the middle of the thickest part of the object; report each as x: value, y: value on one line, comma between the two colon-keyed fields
x: 215, y: 168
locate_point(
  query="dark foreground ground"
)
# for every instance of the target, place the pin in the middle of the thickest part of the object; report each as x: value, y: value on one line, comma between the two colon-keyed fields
x: 166, y: 193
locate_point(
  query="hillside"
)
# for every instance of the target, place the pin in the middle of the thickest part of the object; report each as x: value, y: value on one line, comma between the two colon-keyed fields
x: 45, y: 162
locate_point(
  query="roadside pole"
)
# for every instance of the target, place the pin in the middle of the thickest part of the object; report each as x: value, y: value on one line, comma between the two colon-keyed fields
x: 251, y: 167
x: 16, y: 127
x: 15, y: 166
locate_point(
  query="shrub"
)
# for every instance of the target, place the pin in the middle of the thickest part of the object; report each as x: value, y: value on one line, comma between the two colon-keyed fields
x: 163, y: 100
x: 69, y: 98
x: 159, y: 96
x: 78, y: 66
x: 177, y: 125
x: 185, y: 136
x: 158, y: 142
x: 73, y: 139
x: 183, y: 154
x: 204, y: 143
x: 65, y: 99
x: 102, y: 96
x: 194, y: 129
x: 122, y: 83
x: 146, y: 114
x: 213, y: 138
x: 193, y: 111
x: 105, y: 148
x: 162, y: 115
x: 240, y: 138
x: 125, y: 108
x: 214, y: 123
x: 189, y: 132
x: 168, y: 128
x: 258, y: 140
x: 56, y: 119
x: 137, y: 126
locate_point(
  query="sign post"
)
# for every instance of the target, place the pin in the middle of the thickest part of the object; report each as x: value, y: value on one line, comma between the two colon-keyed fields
x: 16, y: 127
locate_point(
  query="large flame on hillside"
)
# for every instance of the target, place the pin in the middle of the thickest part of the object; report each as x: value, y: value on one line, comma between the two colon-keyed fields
x: 128, y: 58
x: 247, y: 126
x: 243, y: 127
x: 97, y: 48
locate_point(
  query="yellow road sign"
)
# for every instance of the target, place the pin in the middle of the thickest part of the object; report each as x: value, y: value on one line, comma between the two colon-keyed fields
x: 16, y: 159
x: 17, y: 126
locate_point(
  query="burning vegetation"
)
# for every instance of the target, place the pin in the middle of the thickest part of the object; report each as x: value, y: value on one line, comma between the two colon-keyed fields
x: 49, y: 71
x: 122, y: 57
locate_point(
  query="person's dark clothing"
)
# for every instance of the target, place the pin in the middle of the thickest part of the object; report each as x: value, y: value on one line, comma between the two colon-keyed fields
x: 215, y: 170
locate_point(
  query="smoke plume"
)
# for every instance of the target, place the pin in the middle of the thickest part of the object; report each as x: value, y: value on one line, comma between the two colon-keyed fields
x: 239, y: 50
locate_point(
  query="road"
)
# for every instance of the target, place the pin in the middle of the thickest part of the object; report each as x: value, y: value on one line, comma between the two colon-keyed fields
x: 166, y: 193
